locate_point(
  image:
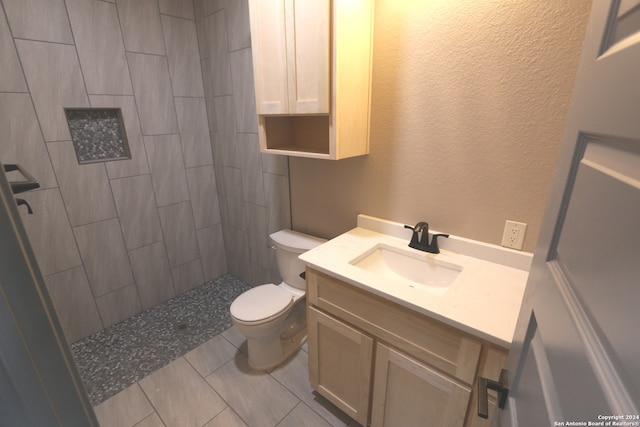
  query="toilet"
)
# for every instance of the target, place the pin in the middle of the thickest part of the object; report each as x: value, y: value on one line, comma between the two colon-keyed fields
x: 273, y: 317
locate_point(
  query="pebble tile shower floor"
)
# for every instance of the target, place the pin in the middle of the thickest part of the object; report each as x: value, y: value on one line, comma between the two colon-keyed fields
x: 122, y: 354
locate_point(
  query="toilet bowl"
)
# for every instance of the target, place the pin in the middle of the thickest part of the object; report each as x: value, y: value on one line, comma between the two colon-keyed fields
x: 272, y: 317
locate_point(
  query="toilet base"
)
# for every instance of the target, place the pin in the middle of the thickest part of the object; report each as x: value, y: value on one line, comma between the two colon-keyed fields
x: 267, y: 354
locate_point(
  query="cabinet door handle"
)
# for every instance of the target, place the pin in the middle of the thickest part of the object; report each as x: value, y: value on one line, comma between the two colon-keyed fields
x: 501, y: 386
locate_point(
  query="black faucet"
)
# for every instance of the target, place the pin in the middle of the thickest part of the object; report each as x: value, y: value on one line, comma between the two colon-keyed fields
x: 422, y: 243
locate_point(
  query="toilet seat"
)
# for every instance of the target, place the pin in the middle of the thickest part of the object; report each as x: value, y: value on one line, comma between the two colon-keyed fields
x: 261, y: 303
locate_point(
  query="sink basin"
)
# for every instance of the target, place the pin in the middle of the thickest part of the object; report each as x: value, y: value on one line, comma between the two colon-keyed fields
x: 417, y: 270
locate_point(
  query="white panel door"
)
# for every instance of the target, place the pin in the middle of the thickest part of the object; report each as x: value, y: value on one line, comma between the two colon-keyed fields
x: 576, y: 351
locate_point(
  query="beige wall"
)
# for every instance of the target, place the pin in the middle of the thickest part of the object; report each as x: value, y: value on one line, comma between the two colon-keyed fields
x: 468, y: 108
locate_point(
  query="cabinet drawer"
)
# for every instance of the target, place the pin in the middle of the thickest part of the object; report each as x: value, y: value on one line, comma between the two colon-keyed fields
x: 421, y: 337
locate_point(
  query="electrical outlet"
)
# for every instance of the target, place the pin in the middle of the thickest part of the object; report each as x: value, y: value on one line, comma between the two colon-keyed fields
x: 513, y: 236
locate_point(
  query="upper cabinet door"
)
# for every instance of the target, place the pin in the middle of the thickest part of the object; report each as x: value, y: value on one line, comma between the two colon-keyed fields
x: 308, y: 50
x: 290, y: 45
x: 269, y: 49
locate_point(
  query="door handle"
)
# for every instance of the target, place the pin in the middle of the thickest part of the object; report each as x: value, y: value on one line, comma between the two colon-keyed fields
x: 501, y: 386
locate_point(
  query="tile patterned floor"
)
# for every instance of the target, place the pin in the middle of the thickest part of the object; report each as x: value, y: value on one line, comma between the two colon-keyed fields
x: 213, y: 386
x: 182, y: 364
x: 118, y: 356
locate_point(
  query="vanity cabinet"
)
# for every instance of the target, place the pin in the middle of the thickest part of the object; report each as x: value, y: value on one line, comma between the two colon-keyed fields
x: 312, y: 74
x: 386, y: 365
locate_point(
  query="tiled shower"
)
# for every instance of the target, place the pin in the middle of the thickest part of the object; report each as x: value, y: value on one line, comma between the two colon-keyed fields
x: 196, y: 199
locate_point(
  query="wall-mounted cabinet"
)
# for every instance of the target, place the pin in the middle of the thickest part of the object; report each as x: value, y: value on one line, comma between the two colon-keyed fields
x: 312, y: 73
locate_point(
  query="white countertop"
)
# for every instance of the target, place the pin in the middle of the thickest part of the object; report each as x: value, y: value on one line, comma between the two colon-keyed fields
x: 483, y: 300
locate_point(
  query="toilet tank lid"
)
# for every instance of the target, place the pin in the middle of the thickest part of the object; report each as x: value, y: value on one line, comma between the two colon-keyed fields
x: 295, y: 241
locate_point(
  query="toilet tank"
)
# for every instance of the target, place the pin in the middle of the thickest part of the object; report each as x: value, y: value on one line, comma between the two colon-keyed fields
x: 289, y: 244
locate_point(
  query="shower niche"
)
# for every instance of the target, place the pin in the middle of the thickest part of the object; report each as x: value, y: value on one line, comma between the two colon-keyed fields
x: 98, y: 134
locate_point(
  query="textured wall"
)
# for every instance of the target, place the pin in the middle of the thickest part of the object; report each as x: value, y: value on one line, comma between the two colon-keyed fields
x: 111, y: 238
x: 253, y: 188
x: 468, y: 108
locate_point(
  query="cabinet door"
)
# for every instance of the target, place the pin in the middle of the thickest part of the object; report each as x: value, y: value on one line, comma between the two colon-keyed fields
x: 308, y: 49
x: 269, y: 50
x: 290, y: 47
x: 409, y: 393
x: 340, y: 361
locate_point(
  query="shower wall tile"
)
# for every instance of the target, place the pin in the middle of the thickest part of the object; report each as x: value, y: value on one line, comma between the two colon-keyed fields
x: 22, y: 140
x: 137, y: 210
x: 141, y: 26
x: 273, y: 272
x: 49, y: 231
x: 11, y: 78
x: 100, y: 47
x: 183, y: 57
x: 212, y: 252
x: 204, y: 196
x: 179, y: 8
x: 152, y: 273
x: 243, y: 92
x: 187, y: 276
x: 137, y: 165
x: 261, y: 275
x: 205, y: 65
x: 135, y: 55
x: 259, y: 242
x: 74, y: 303
x: 224, y: 216
x: 211, y: 6
x: 237, y: 12
x: 167, y: 169
x: 234, y: 198
x: 278, y: 202
x: 238, y: 259
x: 179, y: 233
x: 194, y: 131
x: 225, y: 119
x: 44, y: 20
x: 217, y: 161
x: 105, y: 256
x: 198, y: 8
x: 55, y: 80
x: 252, y: 181
x: 275, y: 164
x: 118, y: 305
x: 216, y: 28
x: 85, y: 188
x: 152, y: 87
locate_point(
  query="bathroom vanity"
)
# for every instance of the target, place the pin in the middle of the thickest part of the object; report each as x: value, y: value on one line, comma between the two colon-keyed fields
x: 391, y: 349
